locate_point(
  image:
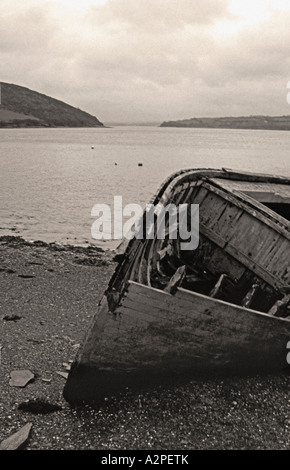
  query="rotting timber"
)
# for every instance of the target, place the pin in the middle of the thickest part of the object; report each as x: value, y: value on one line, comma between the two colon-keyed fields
x: 224, y: 307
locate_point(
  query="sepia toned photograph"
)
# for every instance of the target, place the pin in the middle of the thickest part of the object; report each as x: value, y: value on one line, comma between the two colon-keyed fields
x: 144, y: 228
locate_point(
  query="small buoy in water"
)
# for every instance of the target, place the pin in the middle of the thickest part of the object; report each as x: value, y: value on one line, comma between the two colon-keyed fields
x: 140, y: 164
x: 116, y: 163
x: 93, y: 147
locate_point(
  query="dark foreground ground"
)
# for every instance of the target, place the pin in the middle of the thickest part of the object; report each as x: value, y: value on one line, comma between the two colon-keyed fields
x: 44, y: 316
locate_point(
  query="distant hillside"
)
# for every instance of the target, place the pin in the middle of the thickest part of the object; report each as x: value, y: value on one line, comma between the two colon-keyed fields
x: 21, y: 107
x: 243, y: 122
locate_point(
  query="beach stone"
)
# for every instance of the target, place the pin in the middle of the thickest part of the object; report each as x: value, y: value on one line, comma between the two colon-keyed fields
x: 20, y: 378
x: 62, y: 374
x: 17, y: 440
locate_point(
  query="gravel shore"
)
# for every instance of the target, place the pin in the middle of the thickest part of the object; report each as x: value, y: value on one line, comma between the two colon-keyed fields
x: 48, y: 297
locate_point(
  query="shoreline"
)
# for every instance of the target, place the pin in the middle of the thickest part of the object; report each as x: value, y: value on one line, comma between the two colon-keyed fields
x: 52, y: 293
x: 19, y: 241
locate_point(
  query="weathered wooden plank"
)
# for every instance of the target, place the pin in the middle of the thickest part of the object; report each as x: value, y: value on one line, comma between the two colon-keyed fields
x: 238, y: 201
x: 200, y: 196
x: 261, y: 206
x: 242, y: 258
x: 224, y: 289
x: 228, y: 222
x: 248, y: 300
x: 262, y: 192
x: 176, y: 280
x: 254, y: 239
x: 141, y: 311
x: 270, y: 197
x: 244, y: 176
x: 218, y: 305
x: 150, y: 300
x: 266, y: 243
x: 281, y: 308
x: 211, y: 208
x: 244, y: 234
x: 270, y: 252
x: 143, y: 264
x: 167, y: 251
x: 226, y: 215
x: 260, y: 271
x: 213, y: 236
x: 281, y: 256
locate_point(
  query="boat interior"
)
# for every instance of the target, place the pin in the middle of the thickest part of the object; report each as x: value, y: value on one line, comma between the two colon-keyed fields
x: 243, y: 254
x: 226, y: 266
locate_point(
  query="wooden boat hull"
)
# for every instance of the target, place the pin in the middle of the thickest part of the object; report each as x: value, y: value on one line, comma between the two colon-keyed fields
x: 154, y: 337
x: 142, y: 335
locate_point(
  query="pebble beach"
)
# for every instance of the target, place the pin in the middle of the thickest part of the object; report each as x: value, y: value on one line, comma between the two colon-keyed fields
x: 49, y: 295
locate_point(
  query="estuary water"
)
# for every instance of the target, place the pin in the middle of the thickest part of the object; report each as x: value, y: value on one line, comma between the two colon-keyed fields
x: 52, y: 178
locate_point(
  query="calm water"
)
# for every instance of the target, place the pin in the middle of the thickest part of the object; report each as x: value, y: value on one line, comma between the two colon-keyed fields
x: 52, y: 178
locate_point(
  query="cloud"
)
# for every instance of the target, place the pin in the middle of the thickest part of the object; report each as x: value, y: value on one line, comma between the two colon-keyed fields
x: 148, y: 60
x: 151, y: 15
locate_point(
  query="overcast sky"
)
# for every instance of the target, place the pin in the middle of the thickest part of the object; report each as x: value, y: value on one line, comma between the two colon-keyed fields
x: 151, y: 60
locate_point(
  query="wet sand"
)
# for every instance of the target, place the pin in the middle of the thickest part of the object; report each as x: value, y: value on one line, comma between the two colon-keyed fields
x: 47, y: 300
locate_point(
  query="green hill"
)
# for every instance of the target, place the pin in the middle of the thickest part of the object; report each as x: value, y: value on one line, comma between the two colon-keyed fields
x: 242, y: 122
x: 21, y: 107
